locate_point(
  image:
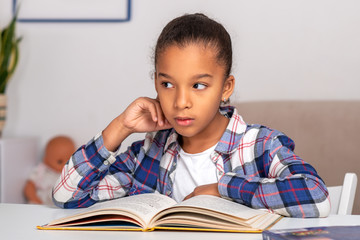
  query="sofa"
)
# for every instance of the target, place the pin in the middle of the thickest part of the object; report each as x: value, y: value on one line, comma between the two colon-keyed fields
x: 326, y: 133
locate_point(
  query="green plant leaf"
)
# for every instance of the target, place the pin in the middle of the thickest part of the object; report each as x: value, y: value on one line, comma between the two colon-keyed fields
x: 9, y: 53
x: 8, y: 42
x: 3, y: 76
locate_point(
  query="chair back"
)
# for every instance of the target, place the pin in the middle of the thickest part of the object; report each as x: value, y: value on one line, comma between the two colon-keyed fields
x: 342, y: 197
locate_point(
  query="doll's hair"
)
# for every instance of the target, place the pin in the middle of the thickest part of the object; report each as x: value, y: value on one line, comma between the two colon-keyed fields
x: 197, y: 28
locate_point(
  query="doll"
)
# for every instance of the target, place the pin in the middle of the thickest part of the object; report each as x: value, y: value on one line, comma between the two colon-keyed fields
x: 38, y: 187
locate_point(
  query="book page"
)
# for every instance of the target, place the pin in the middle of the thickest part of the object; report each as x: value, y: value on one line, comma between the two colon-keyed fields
x: 221, y: 205
x: 145, y: 205
x: 206, y: 211
x: 141, y: 207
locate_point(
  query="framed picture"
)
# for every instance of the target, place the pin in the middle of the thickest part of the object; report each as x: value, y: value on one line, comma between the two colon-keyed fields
x: 73, y: 10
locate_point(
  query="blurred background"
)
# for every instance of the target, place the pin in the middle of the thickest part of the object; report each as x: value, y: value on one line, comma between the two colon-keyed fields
x: 74, y: 78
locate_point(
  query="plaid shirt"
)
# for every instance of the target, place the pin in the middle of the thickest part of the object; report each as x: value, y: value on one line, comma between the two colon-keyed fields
x: 256, y: 166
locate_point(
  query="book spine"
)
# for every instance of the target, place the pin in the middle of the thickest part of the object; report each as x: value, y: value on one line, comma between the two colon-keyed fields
x: 267, y: 235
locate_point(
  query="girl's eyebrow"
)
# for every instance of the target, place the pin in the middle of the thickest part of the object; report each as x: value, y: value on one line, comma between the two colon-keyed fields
x: 164, y: 75
x: 203, y: 75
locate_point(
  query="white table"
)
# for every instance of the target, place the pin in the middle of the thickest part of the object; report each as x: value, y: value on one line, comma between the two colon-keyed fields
x: 19, y: 221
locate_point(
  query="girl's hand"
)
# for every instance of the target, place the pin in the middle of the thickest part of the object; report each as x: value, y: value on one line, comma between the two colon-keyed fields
x: 142, y: 115
x: 208, y: 189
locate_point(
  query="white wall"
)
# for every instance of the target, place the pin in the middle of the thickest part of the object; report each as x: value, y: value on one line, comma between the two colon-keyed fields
x: 75, y: 78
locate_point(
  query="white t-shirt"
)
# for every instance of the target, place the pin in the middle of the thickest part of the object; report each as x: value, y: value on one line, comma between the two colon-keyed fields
x: 193, y: 170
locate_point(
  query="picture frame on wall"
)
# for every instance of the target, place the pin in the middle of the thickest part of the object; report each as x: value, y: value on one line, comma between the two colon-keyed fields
x: 72, y: 11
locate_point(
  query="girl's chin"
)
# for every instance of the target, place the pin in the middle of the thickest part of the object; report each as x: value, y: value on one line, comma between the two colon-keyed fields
x: 184, y: 133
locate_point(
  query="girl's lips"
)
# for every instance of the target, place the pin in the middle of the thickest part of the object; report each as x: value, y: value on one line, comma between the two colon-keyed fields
x: 184, y: 121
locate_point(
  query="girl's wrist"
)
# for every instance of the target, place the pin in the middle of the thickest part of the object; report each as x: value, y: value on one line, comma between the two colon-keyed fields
x: 115, y: 133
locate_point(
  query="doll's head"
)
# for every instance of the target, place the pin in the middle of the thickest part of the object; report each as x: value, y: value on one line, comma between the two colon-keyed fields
x: 58, y: 151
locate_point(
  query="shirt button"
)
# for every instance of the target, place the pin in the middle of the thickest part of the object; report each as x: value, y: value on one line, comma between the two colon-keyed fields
x: 168, y: 192
x: 221, y: 173
x: 106, y: 162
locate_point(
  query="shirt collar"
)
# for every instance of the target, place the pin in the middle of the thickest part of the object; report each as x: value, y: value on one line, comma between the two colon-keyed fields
x: 172, y: 139
x: 234, y: 131
x: 229, y: 140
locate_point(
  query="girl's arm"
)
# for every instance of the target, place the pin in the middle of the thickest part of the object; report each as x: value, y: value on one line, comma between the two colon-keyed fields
x: 94, y: 173
x: 287, y: 185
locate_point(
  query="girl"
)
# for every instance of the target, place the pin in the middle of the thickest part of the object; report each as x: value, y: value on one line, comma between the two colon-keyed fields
x: 193, y: 146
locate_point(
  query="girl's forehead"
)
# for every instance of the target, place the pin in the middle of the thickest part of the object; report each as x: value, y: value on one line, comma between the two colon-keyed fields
x: 192, y: 52
x: 189, y: 60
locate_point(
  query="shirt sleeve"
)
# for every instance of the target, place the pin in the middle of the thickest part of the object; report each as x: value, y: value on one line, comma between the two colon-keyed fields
x: 285, y: 184
x: 94, y: 174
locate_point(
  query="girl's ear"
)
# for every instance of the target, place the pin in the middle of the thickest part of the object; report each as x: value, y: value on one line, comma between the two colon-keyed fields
x: 228, y: 88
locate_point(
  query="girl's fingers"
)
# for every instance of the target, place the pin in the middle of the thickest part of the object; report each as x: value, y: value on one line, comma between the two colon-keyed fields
x: 162, y: 121
x: 161, y: 116
x: 152, y: 108
x: 189, y: 196
x: 155, y: 110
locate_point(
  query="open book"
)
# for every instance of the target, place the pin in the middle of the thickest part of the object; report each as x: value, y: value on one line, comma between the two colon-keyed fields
x: 147, y: 212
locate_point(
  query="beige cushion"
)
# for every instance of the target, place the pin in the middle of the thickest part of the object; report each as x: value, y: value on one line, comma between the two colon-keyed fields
x: 326, y: 133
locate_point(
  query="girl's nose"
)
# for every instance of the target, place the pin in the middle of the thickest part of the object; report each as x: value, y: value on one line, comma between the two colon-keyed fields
x: 182, y: 100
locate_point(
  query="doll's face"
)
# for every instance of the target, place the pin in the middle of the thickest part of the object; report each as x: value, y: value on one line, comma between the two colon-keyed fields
x: 58, y: 152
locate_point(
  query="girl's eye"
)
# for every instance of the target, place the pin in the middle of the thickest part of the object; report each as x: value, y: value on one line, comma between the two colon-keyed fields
x: 199, y: 86
x: 167, y: 85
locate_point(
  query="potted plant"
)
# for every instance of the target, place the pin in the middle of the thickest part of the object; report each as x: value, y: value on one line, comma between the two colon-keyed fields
x: 9, y: 54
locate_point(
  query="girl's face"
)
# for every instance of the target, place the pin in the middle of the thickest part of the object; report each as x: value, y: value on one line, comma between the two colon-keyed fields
x: 190, y: 85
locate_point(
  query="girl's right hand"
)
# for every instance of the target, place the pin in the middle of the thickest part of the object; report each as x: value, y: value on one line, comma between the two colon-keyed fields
x: 142, y: 115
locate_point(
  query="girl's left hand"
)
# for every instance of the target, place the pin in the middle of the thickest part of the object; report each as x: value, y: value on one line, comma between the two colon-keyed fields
x: 208, y: 189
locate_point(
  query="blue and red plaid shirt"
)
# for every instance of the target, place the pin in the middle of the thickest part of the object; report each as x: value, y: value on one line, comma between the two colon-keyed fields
x: 255, y: 165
